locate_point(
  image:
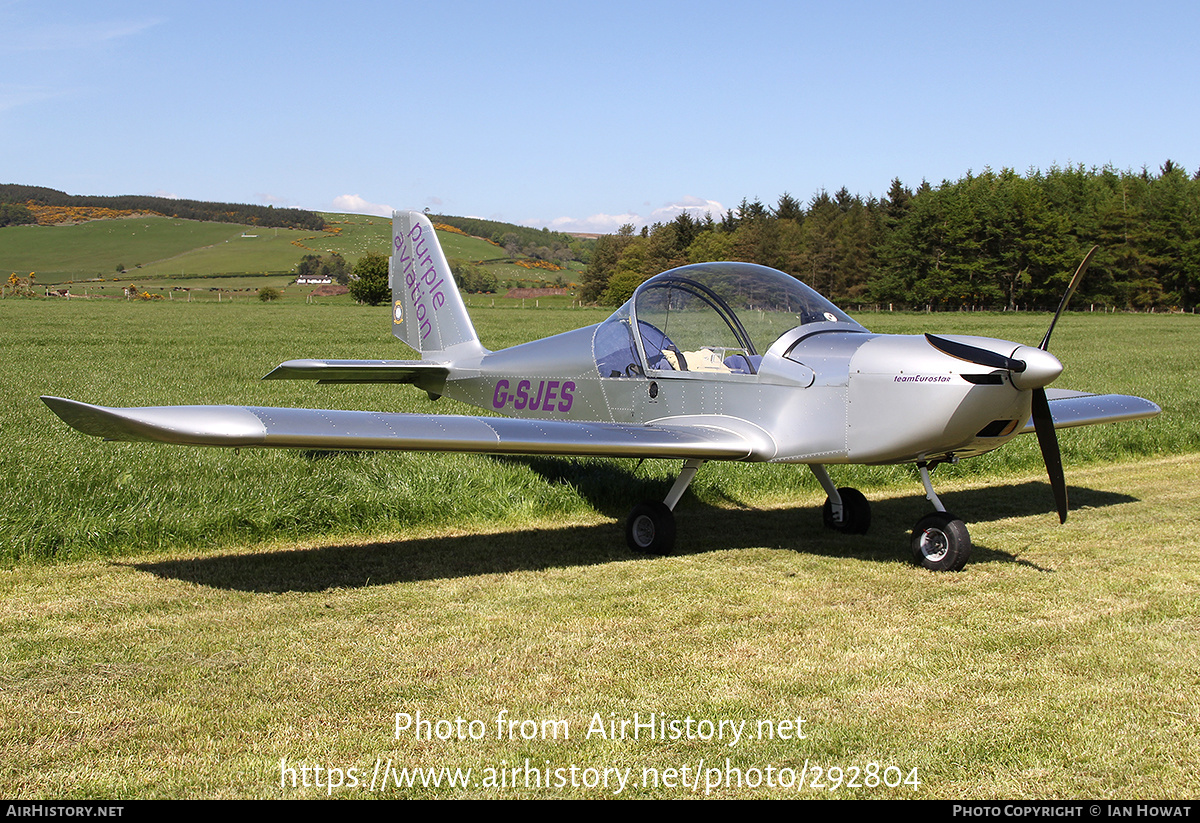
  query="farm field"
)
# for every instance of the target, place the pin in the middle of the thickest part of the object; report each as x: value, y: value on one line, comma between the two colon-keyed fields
x: 191, y: 623
x: 147, y: 246
x: 160, y: 253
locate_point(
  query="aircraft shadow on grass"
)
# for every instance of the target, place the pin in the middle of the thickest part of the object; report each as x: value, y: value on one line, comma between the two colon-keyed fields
x: 708, y: 529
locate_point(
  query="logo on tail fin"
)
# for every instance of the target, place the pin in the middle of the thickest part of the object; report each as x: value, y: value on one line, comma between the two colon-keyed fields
x: 423, y: 291
x: 422, y: 281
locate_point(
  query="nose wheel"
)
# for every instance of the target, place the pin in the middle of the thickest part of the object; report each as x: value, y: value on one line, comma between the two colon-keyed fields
x: 940, y: 542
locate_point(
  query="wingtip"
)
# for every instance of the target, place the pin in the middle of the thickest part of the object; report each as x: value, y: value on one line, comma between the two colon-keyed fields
x: 62, y: 405
x: 83, y: 417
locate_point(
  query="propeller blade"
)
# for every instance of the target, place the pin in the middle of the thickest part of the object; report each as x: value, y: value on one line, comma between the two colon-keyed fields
x: 1062, y: 304
x: 974, y: 354
x: 1043, y: 424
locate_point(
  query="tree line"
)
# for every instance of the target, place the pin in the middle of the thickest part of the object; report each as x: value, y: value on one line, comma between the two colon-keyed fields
x: 14, y: 214
x: 522, y: 241
x: 244, y: 213
x: 334, y: 267
x: 995, y: 240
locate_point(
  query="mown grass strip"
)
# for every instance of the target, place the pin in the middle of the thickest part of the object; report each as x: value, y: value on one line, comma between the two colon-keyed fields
x: 1061, y: 664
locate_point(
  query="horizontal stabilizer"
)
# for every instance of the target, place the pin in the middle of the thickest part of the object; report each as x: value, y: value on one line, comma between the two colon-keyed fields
x: 359, y: 371
x: 1074, y: 408
x: 355, y: 430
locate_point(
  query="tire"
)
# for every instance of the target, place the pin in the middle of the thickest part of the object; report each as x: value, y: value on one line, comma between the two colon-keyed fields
x: 650, y: 528
x: 940, y: 543
x: 856, y: 513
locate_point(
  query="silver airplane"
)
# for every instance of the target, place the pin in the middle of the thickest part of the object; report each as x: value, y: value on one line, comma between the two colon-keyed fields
x: 714, y: 361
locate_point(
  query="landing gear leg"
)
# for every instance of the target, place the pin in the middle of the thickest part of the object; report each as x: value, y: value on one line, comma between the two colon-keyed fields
x: 846, y: 510
x: 650, y: 527
x: 940, y: 541
x: 930, y: 494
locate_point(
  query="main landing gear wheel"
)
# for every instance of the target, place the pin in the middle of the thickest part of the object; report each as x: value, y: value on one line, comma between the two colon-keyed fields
x: 856, y: 513
x: 940, y: 542
x: 650, y: 528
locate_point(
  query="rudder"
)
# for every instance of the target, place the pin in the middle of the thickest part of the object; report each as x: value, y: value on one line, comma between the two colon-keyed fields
x: 428, y: 312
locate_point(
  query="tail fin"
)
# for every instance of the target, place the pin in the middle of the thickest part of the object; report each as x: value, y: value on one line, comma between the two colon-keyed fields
x: 427, y: 311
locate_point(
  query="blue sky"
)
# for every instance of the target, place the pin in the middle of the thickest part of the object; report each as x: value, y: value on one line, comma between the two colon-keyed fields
x: 581, y: 116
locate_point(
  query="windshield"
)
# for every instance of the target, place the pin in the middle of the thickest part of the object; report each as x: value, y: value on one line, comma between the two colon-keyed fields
x: 717, y: 317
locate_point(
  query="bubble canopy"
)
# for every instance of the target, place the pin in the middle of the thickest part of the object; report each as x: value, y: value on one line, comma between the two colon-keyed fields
x: 709, y: 317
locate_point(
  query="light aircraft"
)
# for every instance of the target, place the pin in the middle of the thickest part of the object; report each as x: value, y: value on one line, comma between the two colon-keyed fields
x: 714, y: 361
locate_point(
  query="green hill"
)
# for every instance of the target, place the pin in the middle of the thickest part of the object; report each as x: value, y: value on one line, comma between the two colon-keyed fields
x: 154, y: 248
x: 65, y: 206
x: 157, y: 247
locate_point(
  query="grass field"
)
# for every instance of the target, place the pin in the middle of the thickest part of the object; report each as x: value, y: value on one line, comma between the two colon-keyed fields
x: 176, y: 621
x: 93, y: 498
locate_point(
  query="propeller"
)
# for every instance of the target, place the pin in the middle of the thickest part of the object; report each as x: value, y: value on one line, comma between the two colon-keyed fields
x: 1037, y: 369
x: 1043, y: 425
x: 974, y: 354
x: 1062, y: 304
x: 1043, y: 422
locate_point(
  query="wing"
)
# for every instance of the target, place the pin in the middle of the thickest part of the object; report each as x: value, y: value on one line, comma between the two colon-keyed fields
x: 1076, y: 408
x: 710, y: 438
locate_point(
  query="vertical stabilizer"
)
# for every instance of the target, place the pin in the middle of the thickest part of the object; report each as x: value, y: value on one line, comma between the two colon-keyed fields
x: 427, y: 311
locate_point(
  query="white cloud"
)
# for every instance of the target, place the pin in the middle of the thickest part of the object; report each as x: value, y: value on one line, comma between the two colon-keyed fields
x: 609, y: 223
x: 354, y: 204
x: 596, y: 224
x: 696, y: 206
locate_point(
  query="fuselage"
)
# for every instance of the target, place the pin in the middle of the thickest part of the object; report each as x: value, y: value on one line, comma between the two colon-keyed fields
x: 824, y: 391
